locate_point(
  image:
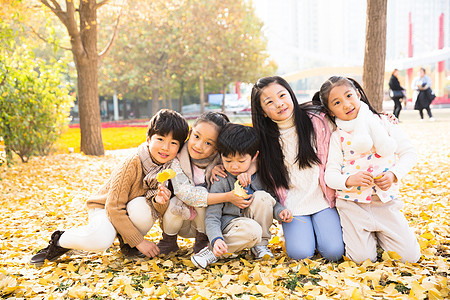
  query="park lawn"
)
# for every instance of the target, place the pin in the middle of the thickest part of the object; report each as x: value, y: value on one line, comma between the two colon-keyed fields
x: 49, y: 193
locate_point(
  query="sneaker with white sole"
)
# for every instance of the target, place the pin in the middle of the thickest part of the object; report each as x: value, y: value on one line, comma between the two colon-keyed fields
x: 204, y: 258
x: 261, y: 251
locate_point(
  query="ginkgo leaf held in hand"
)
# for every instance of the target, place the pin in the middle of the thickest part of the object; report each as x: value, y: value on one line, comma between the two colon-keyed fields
x: 165, y: 175
x: 239, y: 190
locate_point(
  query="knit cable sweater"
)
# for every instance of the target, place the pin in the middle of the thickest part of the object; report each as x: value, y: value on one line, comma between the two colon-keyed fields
x: 125, y: 184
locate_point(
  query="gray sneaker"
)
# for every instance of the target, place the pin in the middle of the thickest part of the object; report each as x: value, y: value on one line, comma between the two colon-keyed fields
x: 204, y: 258
x: 261, y: 251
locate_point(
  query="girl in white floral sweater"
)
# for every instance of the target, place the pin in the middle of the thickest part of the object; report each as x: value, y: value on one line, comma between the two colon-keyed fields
x: 367, y: 157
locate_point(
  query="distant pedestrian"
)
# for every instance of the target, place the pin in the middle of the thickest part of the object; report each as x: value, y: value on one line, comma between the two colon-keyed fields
x: 396, y: 92
x: 130, y: 202
x: 367, y: 158
x: 422, y: 86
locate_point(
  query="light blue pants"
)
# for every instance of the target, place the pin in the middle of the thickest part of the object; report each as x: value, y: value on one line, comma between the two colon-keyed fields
x: 321, y: 230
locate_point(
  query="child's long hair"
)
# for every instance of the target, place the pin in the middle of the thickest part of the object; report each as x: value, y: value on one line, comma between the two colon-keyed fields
x: 322, y: 96
x: 271, y: 159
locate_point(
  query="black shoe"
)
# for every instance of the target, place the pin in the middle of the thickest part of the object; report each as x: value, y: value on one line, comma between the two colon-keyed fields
x: 51, y: 252
x: 127, y: 250
x: 168, y: 244
x: 201, y: 241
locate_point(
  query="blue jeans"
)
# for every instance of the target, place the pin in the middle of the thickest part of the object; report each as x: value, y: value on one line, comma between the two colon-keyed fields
x: 322, y: 230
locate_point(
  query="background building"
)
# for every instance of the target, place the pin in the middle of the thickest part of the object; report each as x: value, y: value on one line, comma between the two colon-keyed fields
x: 304, y: 34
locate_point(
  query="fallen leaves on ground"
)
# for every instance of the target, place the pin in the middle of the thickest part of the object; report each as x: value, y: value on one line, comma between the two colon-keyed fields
x: 49, y: 193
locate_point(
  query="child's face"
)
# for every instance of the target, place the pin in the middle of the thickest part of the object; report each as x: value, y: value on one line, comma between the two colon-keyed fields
x: 202, y: 140
x: 276, y: 102
x: 237, y: 163
x: 163, y: 148
x: 344, y: 102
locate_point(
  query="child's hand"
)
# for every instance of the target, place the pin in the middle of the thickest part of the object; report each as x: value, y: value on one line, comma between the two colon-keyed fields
x: 220, y: 247
x: 362, y: 178
x: 218, y: 170
x: 239, y: 201
x: 163, y: 195
x: 148, y: 248
x: 244, y: 179
x: 391, y: 118
x: 386, y: 180
x: 286, y: 215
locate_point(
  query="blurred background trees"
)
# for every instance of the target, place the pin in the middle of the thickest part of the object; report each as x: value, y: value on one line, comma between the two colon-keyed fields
x: 34, y: 100
x: 167, y: 53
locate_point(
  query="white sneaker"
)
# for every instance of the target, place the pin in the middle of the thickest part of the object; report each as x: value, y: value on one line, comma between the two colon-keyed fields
x: 432, y: 119
x: 261, y: 251
x: 203, y: 258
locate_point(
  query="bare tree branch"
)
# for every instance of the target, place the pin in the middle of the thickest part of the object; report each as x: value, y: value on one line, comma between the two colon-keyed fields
x: 100, y: 4
x: 109, y: 46
x: 40, y: 36
x: 56, y: 9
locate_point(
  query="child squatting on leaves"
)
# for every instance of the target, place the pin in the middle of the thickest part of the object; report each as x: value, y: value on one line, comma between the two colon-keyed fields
x: 229, y: 228
x: 130, y: 202
x: 367, y: 157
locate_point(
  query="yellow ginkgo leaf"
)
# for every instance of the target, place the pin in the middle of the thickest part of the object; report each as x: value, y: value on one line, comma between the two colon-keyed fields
x: 165, y: 175
x: 356, y: 294
x: 239, y: 190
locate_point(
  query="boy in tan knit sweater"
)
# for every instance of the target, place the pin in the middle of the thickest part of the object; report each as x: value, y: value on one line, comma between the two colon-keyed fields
x: 129, y: 203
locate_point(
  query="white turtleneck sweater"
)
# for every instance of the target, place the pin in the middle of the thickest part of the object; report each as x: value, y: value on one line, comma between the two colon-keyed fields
x: 304, y: 196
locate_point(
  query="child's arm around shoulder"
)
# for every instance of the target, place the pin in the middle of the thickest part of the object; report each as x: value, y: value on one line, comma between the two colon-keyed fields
x: 185, y: 190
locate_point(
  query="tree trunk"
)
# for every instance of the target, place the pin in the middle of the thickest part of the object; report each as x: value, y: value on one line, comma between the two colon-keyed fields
x: 224, y: 89
x: 201, y: 86
x: 125, y: 109
x: 164, y: 98
x: 149, y: 108
x: 169, y: 98
x: 86, y: 62
x: 375, y: 52
x: 137, y: 112
x: 181, y: 96
x: 155, y: 100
